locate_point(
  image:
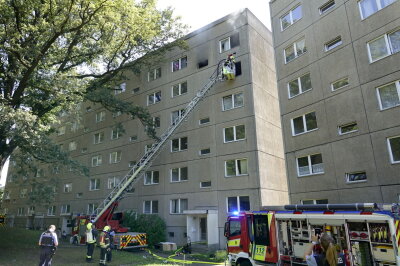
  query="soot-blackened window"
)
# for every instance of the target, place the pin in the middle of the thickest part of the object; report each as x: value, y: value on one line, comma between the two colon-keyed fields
x: 203, y: 63
x: 238, y: 68
x: 235, y: 40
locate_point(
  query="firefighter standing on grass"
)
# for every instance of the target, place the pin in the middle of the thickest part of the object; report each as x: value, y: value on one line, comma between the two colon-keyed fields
x: 104, y: 242
x: 91, y: 235
x: 48, y: 243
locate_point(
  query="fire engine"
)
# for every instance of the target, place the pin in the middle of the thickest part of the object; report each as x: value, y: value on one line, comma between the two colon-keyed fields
x: 365, y: 233
x: 105, y: 214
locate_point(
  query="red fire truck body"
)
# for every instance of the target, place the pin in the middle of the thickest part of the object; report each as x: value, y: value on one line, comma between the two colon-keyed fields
x: 365, y: 234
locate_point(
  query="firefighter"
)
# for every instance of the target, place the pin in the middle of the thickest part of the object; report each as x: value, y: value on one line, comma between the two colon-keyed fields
x: 109, y: 251
x: 91, y: 235
x: 48, y: 243
x: 228, y: 69
x: 104, y: 242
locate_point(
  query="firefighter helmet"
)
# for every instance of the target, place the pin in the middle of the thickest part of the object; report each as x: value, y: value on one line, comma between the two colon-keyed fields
x: 106, y: 228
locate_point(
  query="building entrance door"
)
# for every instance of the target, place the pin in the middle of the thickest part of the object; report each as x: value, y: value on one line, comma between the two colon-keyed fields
x: 203, y: 228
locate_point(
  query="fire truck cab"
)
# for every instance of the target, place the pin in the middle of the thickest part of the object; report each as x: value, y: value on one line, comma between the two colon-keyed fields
x: 364, y: 234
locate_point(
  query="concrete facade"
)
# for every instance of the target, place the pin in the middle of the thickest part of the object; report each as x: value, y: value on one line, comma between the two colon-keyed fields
x: 262, y: 183
x: 371, y: 147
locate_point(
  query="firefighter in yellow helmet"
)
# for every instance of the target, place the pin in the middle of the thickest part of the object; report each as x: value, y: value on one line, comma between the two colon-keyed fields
x: 228, y: 69
x: 91, y: 235
x: 104, y: 242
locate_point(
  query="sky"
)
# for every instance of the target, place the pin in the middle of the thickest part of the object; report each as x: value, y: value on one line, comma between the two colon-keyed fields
x: 197, y: 14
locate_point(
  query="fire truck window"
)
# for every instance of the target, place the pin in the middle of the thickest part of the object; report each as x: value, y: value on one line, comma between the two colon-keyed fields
x: 234, y: 228
x: 250, y: 229
x: 261, y: 231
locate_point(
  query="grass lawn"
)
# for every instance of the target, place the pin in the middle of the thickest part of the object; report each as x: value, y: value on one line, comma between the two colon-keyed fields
x: 20, y: 247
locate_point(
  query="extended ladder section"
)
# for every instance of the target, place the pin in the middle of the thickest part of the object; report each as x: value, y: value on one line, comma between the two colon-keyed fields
x: 144, y: 163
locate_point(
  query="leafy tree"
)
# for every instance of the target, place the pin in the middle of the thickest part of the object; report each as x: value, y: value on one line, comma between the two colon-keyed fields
x: 55, y: 54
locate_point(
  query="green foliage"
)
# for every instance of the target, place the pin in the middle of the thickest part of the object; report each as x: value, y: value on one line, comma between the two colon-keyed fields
x: 151, y: 224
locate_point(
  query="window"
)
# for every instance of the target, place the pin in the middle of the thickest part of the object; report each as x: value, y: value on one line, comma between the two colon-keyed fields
x: 389, y: 95
x: 179, y: 89
x: 310, y: 165
x: 236, y: 167
x: 152, y: 177
x: 205, y: 184
x: 96, y: 160
x: 72, y: 146
x: 115, y: 156
x: 154, y: 98
x: 148, y: 147
x: 229, y: 43
x: 348, y: 128
x: 51, y: 211
x: 327, y: 6
x: 156, y: 122
x: 150, y: 206
x: 356, y: 177
x: 115, y: 133
x: 314, y: 201
x: 171, y: 234
x: 238, y: 204
x: 132, y: 163
x: 74, y: 126
x: 205, y: 120
x: 113, y: 182
x: 39, y: 173
x: 203, y: 63
x: 176, y: 114
x: 232, y: 101
x: 67, y: 188
x: 83, y: 150
x: 369, y: 7
x: 133, y: 138
x: 394, y: 149
x: 135, y: 90
x: 234, y: 228
x: 120, y: 88
x: 299, y: 85
x: 205, y: 151
x: 154, y: 74
x: 6, y: 195
x: 22, y: 193
x: 98, y: 138
x: 86, y: 129
x: 91, y: 208
x: 20, y: 211
x: 88, y: 109
x: 295, y: 50
x: 79, y: 195
x: 291, y: 17
x: 179, y: 174
x: 235, y: 133
x: 94, y: 184
x: 179, y: 144
x: 341, y: 83
x: 65, y: 209
x: 31, y: 210
x: 304, y: 124
x: 383, y: 46
x: 333, y: 43
x: 179, y: 64
x: 100, y: 116
x: 178, y: 206
x: 116, y: 114
x: 61, y: 130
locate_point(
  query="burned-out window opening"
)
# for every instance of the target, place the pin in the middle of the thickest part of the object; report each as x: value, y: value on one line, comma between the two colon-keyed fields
x: 203, y: 63
x: 235, y: 40
x: 238, y: 68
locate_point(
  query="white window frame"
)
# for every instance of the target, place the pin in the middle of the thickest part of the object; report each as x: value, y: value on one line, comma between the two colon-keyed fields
x: 236, y: 167
x: 61, y: 131
x: 309, y: 165
x: 98, y: 159
x: 327, y: 4
x: 133, y: 138
x: 180, y: 211
x: 232, y: 96
x: 99, y: 139
x: 357, y: 181
x: 116, y: 114
x: 179, y: 144
x: 204, y: 118
x: 91, y: 208
x: 179, y: 89
x: 72, y: 146
x: 237, y: 203
x: 23, y: 192
x: 6, y: 195
x: 154, y: 98
x: 294, y: 45
x: 100, y: 116
x: 392, y: 161
x: 290, y: 13
x: 151, y: 207
x: 202, y: 154
x: 179, y: 174
x: 117, y: 132
x: 179, y: 60
x: 235, y: 139
x: 94, y: 184
x: 67, y: 188
x: 304, y: 124
x: 180, y: 112
x: 336, y: 81
x: 113, y: 182
x: 153, y: 73
x: 224, y: 40
x: 378, y: 4
x: 51, y: 210
x: 155, y: 118
x: 348, y: 124
x: 388, y: 46
x: 65, y: 209
x: 397, y: 84
x: 120, y: 88
x: 21, y: 211
x: 115, y: 157
x: 152, y: 182
x: 301, y: 91
x: 201, y: 184
x: 334, y: 43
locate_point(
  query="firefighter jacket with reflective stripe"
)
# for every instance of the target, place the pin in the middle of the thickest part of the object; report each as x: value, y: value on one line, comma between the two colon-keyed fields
x: 90, y: 236
x: 104, y: 240
x: 47, y: 239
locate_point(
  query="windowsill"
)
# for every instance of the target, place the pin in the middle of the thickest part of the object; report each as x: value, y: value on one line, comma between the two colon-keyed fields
x: 391, y: 107
x: 376, y: 60
x: 295, y: 58
x: 179, y: 151
x: 96, y: 165
x: 179, y: 181
x: 299, y: 94
x: 327, y: 10
x: 205, y: 154
x: 173, y: 71
x: 115, y: 162
x: 355, y: 182
x: 233, y: 108
x: 353, y: 131
x: 396, y: 162
x: 51, y: 215
x: 333, y: 90
x: 64, y: 214
x: 315, y: 129
x: 376, y: 12
x: 178, y: 95
x: 234, y: 141
x: 204, y: 187
x: 94, y: 189
x: 230, y: 176
x: 176, y: 213
x: 152, y: 184
x: 321, y: 173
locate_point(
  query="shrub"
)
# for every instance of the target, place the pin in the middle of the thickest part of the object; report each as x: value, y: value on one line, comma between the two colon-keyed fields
x: 151, y: 224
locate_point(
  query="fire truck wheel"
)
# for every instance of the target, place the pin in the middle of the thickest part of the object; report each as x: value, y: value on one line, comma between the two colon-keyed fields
x: 243, y: 263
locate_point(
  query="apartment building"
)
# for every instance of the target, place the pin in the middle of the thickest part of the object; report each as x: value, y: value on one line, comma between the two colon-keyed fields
x: 228, y: 155
x: 338, y: 71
